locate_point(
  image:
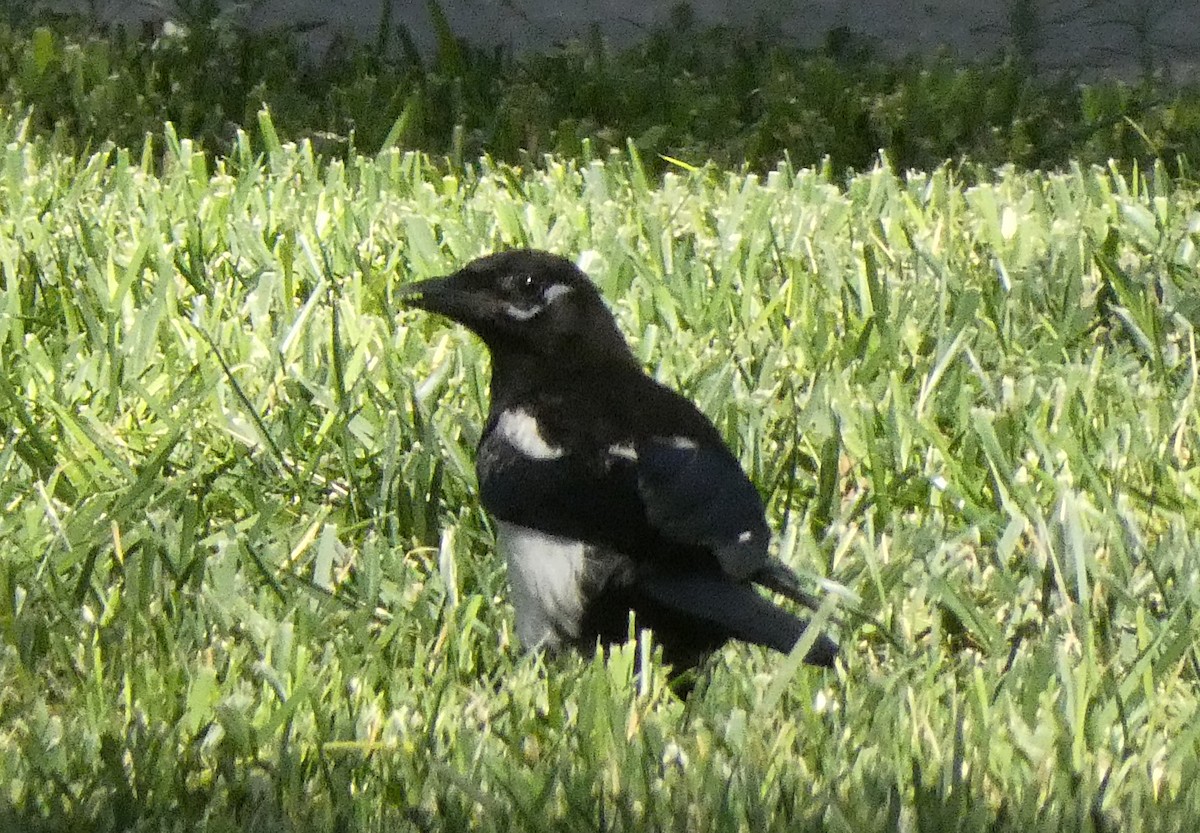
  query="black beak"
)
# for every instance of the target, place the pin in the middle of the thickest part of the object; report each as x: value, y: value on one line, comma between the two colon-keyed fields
x: 429, y: 294
x: 450, y: 296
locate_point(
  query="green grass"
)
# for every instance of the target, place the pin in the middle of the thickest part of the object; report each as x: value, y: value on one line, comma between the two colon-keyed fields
x: 245, y: 583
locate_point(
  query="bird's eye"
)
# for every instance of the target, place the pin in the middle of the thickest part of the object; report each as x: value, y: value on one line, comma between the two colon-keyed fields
x: 521, y: 285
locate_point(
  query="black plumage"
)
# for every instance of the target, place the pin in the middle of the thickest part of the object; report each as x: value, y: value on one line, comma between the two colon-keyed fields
x: 611, y: 492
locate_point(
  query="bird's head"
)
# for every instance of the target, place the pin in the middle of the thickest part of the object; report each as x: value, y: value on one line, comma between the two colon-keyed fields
x: 525, y: 301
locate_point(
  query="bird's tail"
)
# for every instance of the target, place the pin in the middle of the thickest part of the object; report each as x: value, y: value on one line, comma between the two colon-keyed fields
x: 735, y: 610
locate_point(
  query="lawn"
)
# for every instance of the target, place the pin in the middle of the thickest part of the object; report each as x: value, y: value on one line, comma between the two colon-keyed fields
x: 245, y: 582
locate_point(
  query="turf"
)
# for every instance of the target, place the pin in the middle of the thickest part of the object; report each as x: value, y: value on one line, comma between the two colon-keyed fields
x: 246, y: 583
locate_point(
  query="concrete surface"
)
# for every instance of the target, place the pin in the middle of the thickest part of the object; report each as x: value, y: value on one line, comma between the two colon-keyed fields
x: 1095, y: 37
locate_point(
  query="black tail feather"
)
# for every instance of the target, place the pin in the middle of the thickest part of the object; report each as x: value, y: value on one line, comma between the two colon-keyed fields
x: 726, y: 609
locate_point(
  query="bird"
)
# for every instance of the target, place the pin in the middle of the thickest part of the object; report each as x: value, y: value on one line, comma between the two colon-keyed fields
x: 610, y: 492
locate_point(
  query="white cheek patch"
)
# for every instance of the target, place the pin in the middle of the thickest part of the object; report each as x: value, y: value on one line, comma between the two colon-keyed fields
x: 521, y: 431
x: 552, y: 293
x: 555, y: 291
x: 522, y: 313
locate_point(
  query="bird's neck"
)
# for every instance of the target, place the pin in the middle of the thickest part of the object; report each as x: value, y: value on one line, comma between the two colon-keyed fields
x: 517, y: 373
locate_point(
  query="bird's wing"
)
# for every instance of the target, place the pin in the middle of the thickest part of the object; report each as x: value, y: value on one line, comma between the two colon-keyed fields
x: 632, y: 466
x: 697, y: 494
x: 576, y: 495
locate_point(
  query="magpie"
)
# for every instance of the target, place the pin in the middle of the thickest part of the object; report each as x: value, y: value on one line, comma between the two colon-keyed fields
x: 610, y: 492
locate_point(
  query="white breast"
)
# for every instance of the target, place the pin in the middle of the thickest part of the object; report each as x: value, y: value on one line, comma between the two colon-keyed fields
x: 545, y: 573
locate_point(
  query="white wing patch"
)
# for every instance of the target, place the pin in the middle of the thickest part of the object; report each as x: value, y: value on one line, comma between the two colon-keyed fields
x: 545, y: 573
x: 521, y: 431
x: 625, y: 451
